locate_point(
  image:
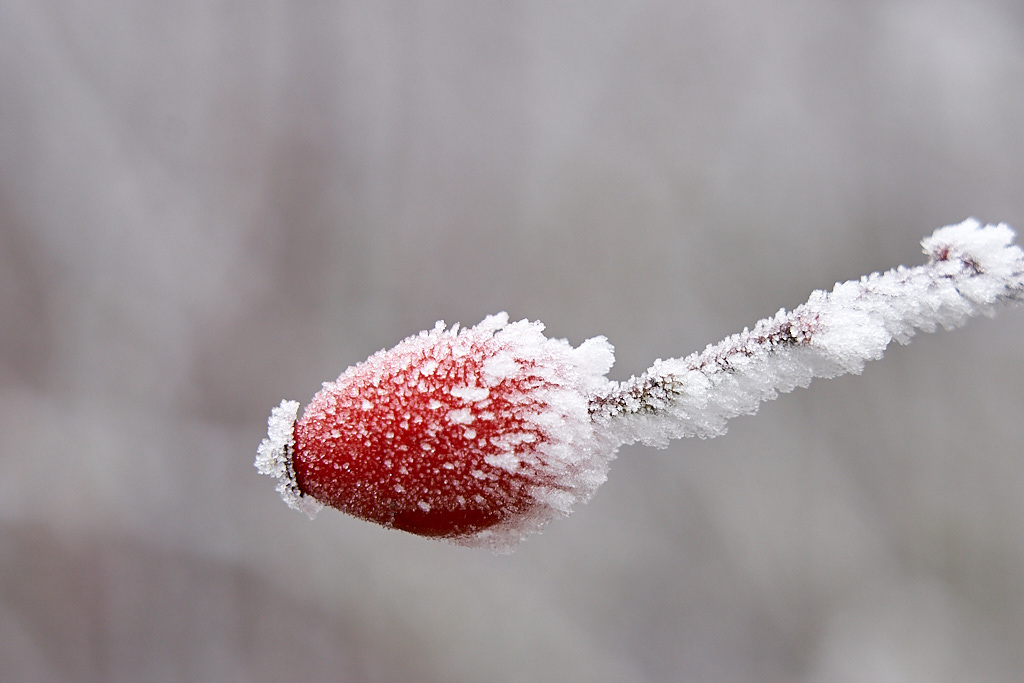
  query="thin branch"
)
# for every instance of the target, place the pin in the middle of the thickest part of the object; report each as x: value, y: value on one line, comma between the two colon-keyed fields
x: 971, y: 270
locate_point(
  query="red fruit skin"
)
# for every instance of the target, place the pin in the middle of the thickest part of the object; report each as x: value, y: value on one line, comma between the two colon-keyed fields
x: 415, y: 439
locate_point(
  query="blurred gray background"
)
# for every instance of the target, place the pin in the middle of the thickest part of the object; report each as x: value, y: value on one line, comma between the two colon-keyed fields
x: 207, y: 206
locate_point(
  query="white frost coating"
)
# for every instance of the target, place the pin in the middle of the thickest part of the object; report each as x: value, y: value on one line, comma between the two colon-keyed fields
x: 498, y: 368
x: 470, y: 394
x: 462, y: 416
x: 572, y: 458
x: 273, y: 457
x: 970, y: 271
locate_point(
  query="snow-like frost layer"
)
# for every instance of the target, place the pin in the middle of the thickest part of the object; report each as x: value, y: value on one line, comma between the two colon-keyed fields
x: 557, y: 446
x: 970, y: 270
x: 274, y: 457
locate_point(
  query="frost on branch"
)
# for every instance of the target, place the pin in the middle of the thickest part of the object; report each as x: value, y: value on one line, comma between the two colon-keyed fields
x: 970, y: 270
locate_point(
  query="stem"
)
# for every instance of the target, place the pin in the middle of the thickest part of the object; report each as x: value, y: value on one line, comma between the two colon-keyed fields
x: 970, y: 271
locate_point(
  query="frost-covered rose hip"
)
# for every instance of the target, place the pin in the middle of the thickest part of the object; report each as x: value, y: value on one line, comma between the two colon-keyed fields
x: 478, y: 436
x: 481, y: 436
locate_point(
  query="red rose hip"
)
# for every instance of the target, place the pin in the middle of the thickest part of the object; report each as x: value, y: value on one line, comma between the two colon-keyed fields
x: 478, y: 436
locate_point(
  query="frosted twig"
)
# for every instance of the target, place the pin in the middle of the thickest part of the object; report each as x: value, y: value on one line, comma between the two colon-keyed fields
x: 970, y: 270
x: 482, y: 435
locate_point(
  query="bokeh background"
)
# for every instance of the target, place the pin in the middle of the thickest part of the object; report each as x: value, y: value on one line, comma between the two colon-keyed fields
x: 207, y: 206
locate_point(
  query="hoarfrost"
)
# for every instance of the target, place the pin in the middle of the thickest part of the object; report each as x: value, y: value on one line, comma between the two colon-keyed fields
x: 462, y: 416
x: 971, y: 269
x: 470, y: 394
x: 273, y: 458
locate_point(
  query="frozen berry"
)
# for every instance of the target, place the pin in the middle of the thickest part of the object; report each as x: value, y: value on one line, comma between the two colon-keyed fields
x: 479, y: 435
